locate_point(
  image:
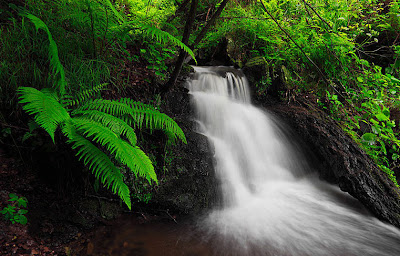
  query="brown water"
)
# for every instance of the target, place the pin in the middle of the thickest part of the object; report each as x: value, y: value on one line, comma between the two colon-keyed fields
x: 131, y: 236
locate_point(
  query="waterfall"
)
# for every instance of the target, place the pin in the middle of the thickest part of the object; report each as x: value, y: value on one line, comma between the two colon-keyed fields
x: 271, y: 204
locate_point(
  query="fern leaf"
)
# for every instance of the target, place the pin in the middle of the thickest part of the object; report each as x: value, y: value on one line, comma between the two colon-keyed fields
x: 116, y: 13
x: 164, y: 37
x: 83, y: 96
x: 57, y: 67
x: 49, y: 113
x: 138, y: 115
x: 147, y: 116
x: 98, y: 162
x: 114, y: 108
x: 134, y: 158
x: 115, y: 124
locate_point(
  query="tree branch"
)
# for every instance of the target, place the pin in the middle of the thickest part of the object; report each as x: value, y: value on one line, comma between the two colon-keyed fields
x: 209, y: 24
x: 182, y: 54
x: 309, y: 6
x: 180, y: 8
x: 291, y: 39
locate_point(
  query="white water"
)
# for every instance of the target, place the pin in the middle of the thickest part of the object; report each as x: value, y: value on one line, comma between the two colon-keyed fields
x: 270, y: 205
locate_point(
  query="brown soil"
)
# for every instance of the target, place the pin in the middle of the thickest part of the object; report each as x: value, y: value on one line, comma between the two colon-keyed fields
x: 15, y: 239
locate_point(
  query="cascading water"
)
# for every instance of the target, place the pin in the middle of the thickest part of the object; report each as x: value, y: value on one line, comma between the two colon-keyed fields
x: 271, y: 206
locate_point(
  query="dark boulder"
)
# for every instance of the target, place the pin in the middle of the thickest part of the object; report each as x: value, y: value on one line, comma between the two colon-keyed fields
x: 339, y: 160
x: 189, y: 186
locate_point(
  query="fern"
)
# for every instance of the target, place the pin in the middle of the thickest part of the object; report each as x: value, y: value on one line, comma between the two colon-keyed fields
x: 115, y: 124
x: 111, y: 107
x: 107, y: 24
x: 154, y: 120
x: 165, y: 37
x: 138, y: 115
x: 98, y: 162
x: 57, y: 67
x: 49, y: 113
x: 83, y: 96
x: 107, y: 123
x: 102, y: 132
x: 124, y: 152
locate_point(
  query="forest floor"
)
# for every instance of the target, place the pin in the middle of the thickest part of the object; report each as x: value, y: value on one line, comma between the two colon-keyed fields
x: 16, y: 239
x: 63, y: 225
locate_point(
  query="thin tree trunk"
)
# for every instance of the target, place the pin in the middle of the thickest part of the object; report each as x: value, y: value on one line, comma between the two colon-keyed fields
x: 209, y: 24
x: 182, y: 54
x: 180, y: 8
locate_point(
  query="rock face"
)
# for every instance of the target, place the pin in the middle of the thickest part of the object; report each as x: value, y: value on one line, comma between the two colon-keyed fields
x: 339, y: 160
x: 190, y: 186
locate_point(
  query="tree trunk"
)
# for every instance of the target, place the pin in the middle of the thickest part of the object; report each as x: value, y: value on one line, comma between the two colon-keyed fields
x: 182, y: 54
x: 180, y: 8
x: 209, y: 24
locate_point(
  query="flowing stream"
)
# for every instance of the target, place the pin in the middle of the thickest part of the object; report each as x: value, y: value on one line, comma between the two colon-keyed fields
x: 271, y: 204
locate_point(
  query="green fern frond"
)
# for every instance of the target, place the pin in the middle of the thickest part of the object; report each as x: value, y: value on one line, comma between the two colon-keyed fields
x: 155, y: 120
x: 147, y: 116
x: 138, y: 115
x: 56, y: 66
x: 115, y: 124
x: 116, y: 13
x: 98, y: 162
x: 83, y: 96
x: 136, y: 104
x: 114, y: 108
x: 49, y: 113
x: 165, y: 37
x: 134, y: 158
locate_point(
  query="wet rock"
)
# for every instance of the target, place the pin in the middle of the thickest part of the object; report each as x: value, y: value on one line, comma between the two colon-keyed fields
x: 189, y: 186
x: 109, y: 210
x: 339, y: 160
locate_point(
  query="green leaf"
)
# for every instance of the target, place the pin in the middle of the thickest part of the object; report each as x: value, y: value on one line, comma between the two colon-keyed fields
x: 383, y: 147
x: 124, y: 152
x: 360, y: 79
x: 368, y: 138
x: 373, y: 121
x: 376, y: 129
x: 47, y: 111
x: 386, y: 112
x: 391, y: 124
x: 13, y: 197
x: 22, y: 211
x: 394, y: 79
x: 164, y: 37
x: 55, y: 63
x: 22, y: 202
x: 98, y: 162
x: 381, y: 117
x: 20, y: 219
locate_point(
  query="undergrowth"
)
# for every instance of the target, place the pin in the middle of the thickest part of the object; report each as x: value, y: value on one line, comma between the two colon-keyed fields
x: 344, y: 52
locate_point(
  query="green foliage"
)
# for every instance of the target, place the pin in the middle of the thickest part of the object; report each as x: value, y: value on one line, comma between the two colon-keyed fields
x: 104, y: 123
x: 165, y: 37
x: 92, y: 126
x: 371, y: 101
x: 107, y: 25
x: 57, y: 68
x: 15, y: 211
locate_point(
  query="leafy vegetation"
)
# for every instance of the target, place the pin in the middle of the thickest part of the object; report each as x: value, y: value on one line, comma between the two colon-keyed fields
x: 106, y: 123
x: 16, y: 210
x: 81, y: 68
